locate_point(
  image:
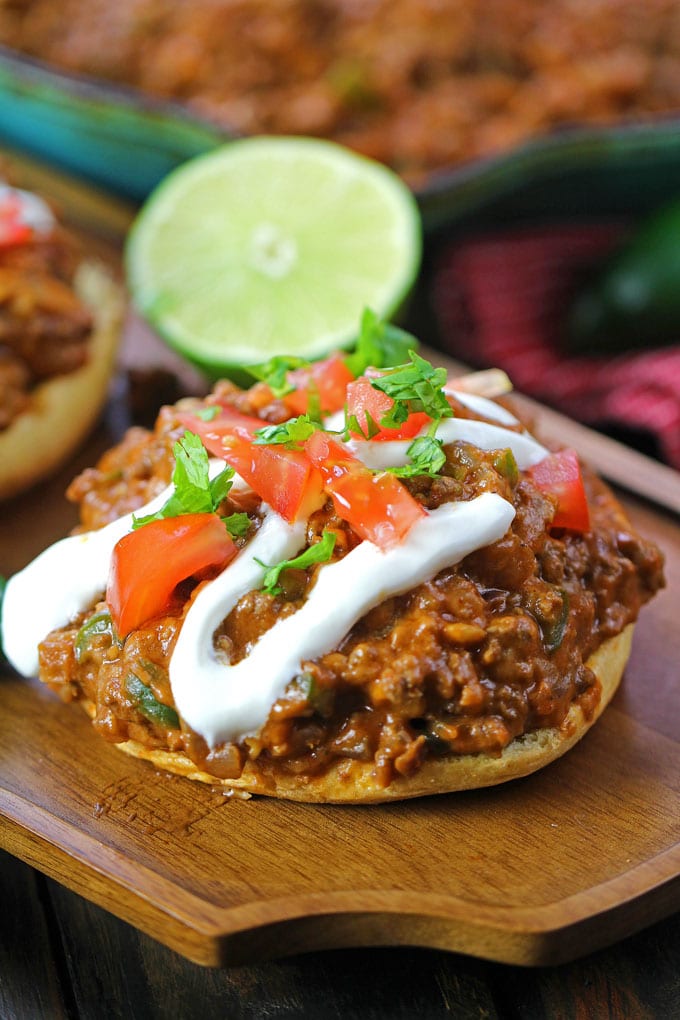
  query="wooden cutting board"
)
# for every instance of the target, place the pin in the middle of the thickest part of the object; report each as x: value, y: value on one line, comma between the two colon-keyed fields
x: 539, y: 871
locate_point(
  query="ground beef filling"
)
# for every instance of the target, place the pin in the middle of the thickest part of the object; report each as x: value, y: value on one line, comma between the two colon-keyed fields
x: 485, y: 651
x: 419, y: 84
x: 44, y: 326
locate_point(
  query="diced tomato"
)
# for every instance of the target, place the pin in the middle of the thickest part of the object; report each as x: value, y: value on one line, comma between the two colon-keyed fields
x: 212, y: 432
x: 364, y: 399
x: 283, y: 478
x: 327, y: 380
x: 559, y: 475
x: 13, y: 230
x: 149, y: 563
x: 378, y: 507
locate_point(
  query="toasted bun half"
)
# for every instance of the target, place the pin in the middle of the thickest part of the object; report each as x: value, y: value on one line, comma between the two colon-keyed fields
x: 353, y: 782
x: 64, y: 408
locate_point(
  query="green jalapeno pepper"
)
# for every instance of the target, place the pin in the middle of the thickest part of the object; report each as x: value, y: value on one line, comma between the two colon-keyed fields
x: 553, y: 632
x: 97, y: 625
x: 320, y: 699
x: 635, y: 299
x: 506, y: 465
x: 149, y: 705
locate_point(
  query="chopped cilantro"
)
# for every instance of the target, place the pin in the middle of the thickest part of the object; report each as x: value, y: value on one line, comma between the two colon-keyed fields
x: 415, y: 386
x: 194, y: 492
x: 314, y: 403
x: 209, y: 412
x: 290, y: 433
x: 320, y: 552
x: 427, y: 458
x: 379, y: 345
x: 353, y: 427
x: 274, y: 372
x: 237, y: 524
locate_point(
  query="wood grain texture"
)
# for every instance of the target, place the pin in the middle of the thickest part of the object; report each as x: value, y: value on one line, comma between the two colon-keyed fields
x: 154, y: 983
x: 544, y: 869
x: 26, y: 943
x: 100, y: 959
x: 637, y: 980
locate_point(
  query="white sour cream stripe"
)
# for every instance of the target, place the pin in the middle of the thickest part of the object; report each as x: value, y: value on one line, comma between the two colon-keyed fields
x: 226, y: 703
x: 393, y: 453
x: 70, y: 576
x: 33, y: 210
x: 483, y: 406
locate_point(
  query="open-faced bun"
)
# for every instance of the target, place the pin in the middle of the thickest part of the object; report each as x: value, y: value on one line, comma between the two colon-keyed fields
x: 354, y: 782
x: 64, y: 408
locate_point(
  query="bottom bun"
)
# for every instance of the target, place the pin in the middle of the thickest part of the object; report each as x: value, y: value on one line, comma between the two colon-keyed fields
x: 64, y: 408
x: 354, y: 782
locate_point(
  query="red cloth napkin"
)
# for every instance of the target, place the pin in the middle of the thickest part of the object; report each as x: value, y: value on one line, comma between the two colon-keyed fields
x: 500, y: 301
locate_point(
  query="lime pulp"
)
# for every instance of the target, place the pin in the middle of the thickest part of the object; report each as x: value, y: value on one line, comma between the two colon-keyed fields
x: 272, y: 246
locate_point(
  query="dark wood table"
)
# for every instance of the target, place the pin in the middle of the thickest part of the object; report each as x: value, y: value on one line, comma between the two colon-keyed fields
x: 62, y: 957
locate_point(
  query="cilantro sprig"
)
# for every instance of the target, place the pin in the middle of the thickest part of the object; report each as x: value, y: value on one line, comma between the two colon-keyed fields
x: 274, y: 372
x: 414, y: 386
x: 427, y: 458
x: 209, y: 412
x: 320, y: 552
x: 353, y: 426
x: 290, y: 433
x: 194, y: 491
x: 237, y: 524
x: 379, y: 344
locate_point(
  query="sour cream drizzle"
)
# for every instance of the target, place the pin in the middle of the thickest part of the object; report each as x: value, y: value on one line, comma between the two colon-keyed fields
x: 32, y: 210
x: 70, y: 576
x: 527, y: 451
x: 224, y: 702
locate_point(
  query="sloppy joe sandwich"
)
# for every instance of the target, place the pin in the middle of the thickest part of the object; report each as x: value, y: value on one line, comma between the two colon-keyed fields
x: 60, y: 316
x: 349, y: 583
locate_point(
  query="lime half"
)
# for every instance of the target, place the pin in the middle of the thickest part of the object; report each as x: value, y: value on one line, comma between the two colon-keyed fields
x: 272, y: 246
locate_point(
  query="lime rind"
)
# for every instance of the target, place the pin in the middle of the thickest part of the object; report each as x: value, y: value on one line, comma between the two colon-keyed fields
x: 272, y: 246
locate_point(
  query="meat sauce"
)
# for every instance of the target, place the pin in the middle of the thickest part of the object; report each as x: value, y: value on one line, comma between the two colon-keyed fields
x: 465, y: 662
x: 44, y: 326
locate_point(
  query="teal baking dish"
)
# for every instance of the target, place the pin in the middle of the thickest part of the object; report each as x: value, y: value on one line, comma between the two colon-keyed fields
x: 114, y: 137
x: 126, y: 142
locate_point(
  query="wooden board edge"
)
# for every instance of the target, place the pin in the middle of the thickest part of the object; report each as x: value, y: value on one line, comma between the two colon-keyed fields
x: 229, y: 936
x: 467, y: 935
